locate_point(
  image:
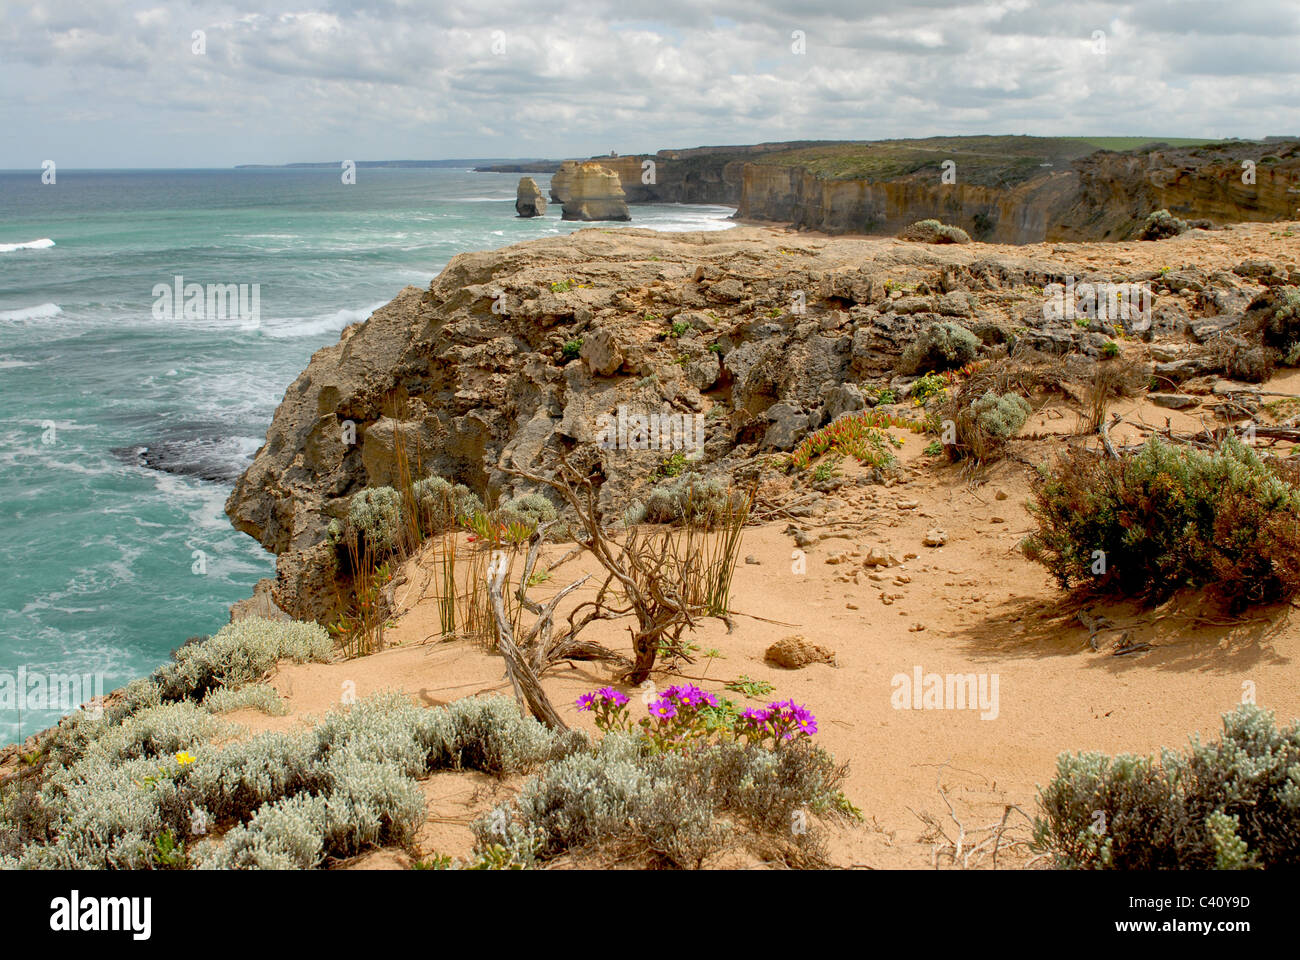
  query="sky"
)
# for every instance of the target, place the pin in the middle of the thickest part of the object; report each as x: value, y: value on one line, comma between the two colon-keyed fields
x: 191, y: 83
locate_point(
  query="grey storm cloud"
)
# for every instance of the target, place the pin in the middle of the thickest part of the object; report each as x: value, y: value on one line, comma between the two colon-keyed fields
x: 118, y: 83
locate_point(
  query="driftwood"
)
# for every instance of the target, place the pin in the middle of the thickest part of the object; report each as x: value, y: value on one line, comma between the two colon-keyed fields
x: 528, y: 689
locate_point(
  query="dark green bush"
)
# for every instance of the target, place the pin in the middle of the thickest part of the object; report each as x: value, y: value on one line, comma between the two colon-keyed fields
x: 940, y: 346
x: 1230, y: 804
x: 1169, y: 517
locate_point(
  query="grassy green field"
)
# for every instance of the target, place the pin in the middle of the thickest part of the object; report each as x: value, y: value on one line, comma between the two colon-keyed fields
x: 998, y: 161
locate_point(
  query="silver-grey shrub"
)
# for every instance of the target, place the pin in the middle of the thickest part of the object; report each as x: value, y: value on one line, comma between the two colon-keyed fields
x: 1230, y: 803
x: 672, y: 809
x: 331, y: 791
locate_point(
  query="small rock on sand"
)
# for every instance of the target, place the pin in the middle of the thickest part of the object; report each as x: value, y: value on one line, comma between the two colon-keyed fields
x: 796, y: 652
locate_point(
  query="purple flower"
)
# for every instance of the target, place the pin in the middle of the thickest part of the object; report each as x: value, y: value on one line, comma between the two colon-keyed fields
x: 690, y: 695
x: 586, y: 702
x: 611, y: 696
x: 663, y: 709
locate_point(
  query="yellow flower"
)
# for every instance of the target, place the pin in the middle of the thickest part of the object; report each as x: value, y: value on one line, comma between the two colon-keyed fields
x: 184, y: 758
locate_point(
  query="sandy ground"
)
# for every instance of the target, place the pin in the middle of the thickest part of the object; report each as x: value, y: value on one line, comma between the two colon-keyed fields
x: 972, y: 606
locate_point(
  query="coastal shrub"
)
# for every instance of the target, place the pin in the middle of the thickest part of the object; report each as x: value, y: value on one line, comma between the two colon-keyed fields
x: 983, y: 426
x: 530, y: 509
x: 933, y: 231
x: 862, y: 435
x: 1168, y: 517
x: 254, y: 696
x: 1230, y: 803
x: 687, y: 499
x: 156, y: 775
x: 680, y: 790
x: 1162, y: 224
x: 377, y: 513
x: 939, y: 347
x: 1274, y: 316
x: 442, y: 504
x: 239, y: 653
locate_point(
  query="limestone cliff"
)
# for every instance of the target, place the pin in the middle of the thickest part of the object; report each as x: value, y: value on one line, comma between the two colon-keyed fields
x: 762, y: 334
x: 1100, y: 195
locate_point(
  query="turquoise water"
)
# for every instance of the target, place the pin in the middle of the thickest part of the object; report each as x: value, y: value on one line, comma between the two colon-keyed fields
x: 120, y: 433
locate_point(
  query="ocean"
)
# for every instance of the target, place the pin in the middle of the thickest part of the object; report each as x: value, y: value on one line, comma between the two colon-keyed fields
x: 123, y: 425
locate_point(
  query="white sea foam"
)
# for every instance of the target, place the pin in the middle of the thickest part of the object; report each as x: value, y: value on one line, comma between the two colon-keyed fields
x: 40, y: 244
x: 322, y: 323
x: 41, y: 311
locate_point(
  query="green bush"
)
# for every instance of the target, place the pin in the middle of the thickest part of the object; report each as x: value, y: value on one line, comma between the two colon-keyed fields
x: 1169, y: 517
x: 377, y: 513
x: 443, y: 505
x: 685, y: 498
x: 530, y: 509
x: 331, y: 791
x: 1162, y: 224
x: 985, y: 424
x: 932, y: 231
x: 938, y: 347
x: 1228, y: 804
x: 669, y: 809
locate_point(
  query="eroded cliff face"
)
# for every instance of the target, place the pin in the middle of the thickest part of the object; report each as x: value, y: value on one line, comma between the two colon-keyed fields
x: 797, y: 196
x: 1104, y: 196
x: 763, y: 334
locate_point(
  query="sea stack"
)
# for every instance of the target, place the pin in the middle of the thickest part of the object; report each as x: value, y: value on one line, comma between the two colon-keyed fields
x: 561, y: 179
x: 594, y: 193
x: 529, y: 201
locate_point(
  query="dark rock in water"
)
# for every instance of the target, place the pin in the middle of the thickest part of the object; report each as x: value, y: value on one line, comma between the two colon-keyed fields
x: 215, y: 459
x: 529, y: 201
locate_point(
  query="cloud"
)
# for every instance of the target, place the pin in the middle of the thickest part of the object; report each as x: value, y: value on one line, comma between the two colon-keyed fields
x: 119, y: 83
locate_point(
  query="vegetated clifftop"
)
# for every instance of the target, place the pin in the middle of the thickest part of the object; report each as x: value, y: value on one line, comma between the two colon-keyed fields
x: 1019, y: 189
x: 513, y: 356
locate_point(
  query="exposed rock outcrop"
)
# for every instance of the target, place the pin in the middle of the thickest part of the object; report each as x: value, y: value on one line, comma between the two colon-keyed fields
x: 765, y: 335
x: 529, y: 201
x: 592, y: 192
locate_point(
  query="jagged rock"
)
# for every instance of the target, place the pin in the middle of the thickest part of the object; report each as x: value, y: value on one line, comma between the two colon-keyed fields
x: 840, y: 399
x: 795, y: 653
x: 703, y: 373
x: 529, y: 201
x: 594, y: 193
x: 1264, y: 272
x: 880, y: 556
x: 260, y: 604
x: 789, y: 425
x: 602, y: 353
x: 934, y: 537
